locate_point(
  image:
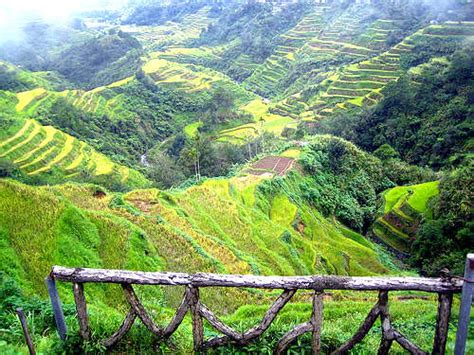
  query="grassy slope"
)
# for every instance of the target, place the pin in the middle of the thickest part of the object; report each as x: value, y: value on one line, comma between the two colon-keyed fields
x: 404, y: 206
x: 222, y: 225
x: 45, y: 154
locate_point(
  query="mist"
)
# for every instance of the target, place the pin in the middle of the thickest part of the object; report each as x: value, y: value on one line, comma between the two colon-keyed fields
x: 15, y: 14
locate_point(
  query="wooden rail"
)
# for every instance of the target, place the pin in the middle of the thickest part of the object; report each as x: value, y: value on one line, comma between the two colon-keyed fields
x: 192, y: 303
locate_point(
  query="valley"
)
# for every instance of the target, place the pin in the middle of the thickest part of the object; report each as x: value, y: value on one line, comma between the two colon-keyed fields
x: 239, y: 137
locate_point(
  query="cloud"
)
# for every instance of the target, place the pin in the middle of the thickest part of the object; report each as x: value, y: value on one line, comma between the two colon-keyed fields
x: 14, y: 14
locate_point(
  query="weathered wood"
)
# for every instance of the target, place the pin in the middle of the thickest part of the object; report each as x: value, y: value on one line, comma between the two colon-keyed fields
x: 124, y: 328
x: 385, y: 346
x: 317, y: 322
x: 270, y: 315
x: 445, y: 301
x: 465, y: 307
x: 387, y: 333
x: 216, y: 342
x: 26, y: 333
x: 269, y: 282
x: 361, y: 332
x: 57, y: 307
x: 289, y: 337
x: 198, y: 329
x: 259, y: 329
x: 218, y: 324
x: 138, y: 308
x: 407, y: 344
x: 81, y: 309
x: 178, y: 316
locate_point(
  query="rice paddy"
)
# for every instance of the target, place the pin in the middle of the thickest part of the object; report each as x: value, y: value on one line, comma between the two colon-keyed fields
x: 264, y: 81
x: 404, y: 207
x: 360, y: 84
x: 171, y: 33
x: 47, y: 152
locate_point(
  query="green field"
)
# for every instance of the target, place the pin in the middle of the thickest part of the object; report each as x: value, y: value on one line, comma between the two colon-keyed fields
x: 47, y: 154
x: 404, y: 206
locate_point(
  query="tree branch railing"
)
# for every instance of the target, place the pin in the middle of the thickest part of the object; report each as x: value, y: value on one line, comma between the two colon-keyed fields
x: 191, y: 302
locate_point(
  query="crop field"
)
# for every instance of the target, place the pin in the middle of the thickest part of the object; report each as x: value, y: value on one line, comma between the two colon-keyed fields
x: 192, y: 78
x: 358, y: 84
x: 99, y: 100
x: 404, y: 207
x: 265, y: 121
x: 171, y: 33
x: 187, y: 55
x: 376, y: 35
x: 45, y: 151
x: 273, y: 165
x: 264, y: 80
x: 339, y: 38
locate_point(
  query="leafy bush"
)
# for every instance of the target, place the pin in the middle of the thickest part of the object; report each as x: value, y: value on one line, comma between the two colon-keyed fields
x: 344, y: 181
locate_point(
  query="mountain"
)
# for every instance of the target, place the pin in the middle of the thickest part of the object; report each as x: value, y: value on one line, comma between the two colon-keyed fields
x: 240, y: 137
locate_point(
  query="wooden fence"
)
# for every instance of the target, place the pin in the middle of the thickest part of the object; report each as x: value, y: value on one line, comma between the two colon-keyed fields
x: 444, y: 287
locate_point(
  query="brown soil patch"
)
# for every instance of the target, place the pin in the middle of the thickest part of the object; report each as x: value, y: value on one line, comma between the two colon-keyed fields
x: 272, y: 164
x: 99, y: 194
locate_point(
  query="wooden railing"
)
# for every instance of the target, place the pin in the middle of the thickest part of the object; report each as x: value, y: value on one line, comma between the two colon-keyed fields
x: 444, y: 287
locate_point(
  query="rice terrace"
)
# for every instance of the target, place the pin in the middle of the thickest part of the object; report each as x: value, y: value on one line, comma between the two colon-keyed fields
x: 236, y: 177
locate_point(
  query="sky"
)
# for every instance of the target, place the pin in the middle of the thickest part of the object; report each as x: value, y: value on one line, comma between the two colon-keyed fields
x: 15, y: 13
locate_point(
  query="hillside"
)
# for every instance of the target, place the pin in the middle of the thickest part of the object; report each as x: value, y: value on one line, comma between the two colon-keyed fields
x: 239, y: 225
x: 234, y: 137
x: 403, y: 211
x: 47, y: 155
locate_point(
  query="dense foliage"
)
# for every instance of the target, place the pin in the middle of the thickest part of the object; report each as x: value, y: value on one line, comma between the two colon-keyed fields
x: 344, y: 181
x: 100, y: 60
x: 427, y: 118
x: 447, y: 236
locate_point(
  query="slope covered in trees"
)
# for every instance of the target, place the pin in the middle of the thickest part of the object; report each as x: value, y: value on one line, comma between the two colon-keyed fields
x: 246, y: 137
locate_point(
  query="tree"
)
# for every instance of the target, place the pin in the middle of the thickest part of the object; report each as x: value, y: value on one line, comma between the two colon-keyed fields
x: 164, y: 171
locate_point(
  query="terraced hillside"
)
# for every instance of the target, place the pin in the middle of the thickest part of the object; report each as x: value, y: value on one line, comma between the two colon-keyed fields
x: 99, y: 100
x: 360, y: 84
x: 404, y: 206
x: 266, y: 77
x: 222, y: 225
x: 191, y: 78
x: 172, y: 33
x: 264, y: 121
x: 15, y: 79
x: 47, y: 154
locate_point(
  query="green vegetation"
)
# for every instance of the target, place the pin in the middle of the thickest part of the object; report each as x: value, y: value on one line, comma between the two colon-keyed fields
x: 404, y: 209
x: 43, y: 154
x: 243, y: 137
x: 416, y: 196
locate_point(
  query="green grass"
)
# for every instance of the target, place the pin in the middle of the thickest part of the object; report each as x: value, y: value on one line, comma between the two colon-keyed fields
x: 407, y: 204
x: 47, y: 155
x: 418, y: 195
x: 192, y: 129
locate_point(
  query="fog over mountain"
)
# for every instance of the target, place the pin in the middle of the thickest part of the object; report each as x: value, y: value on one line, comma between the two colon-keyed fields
x: 246, y: 137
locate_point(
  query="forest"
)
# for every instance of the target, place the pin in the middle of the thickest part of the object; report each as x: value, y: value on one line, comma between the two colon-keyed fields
x: 243, y: 137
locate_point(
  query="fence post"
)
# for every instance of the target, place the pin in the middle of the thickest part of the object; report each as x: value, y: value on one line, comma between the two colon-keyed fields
x: 81, y: 310
x: 57, y: 307
x: 445, y: 301
x: 317, y: 321
x: 26, y: 333
x: 198, y: 329
x: 465, y: 308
